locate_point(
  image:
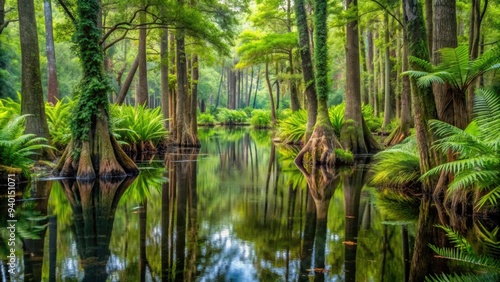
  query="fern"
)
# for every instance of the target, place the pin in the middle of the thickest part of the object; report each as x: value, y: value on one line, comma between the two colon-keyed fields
x: 16, y: 148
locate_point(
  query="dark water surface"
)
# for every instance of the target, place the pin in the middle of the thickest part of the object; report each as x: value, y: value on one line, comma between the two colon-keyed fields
x: 236, y: 210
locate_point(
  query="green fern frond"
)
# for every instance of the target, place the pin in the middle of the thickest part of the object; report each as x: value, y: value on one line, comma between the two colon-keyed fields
x: 482, y: 277
x: 485, y: 262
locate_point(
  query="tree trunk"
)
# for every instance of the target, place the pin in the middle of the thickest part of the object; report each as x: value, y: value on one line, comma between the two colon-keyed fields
x: 52, y: 85
x: 93, y: 151
x: 403, y: 129
x: 141, y: 97
x: 185, y: 136
x: 32, y: 103
x: 128, y: 81
x: 352, y: 132
x: 195, y: 75
x: 220, y: 86
x: 256, y: 88
x: 249, y: 93
x: 307, y: 66
x: 270, y: 89
x: 164, y: 76
x: 429, y: 17
x: 387, y: 76
x: 369, y: 63
x: 445, y: 36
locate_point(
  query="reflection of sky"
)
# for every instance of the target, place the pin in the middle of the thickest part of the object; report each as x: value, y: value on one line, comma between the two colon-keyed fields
x: 236, y: 260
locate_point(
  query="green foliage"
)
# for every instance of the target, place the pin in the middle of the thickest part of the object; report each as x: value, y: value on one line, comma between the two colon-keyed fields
x: 260, y: 118
x: 478, y: 150
x: 138, y: 124
x: 293, y: 127
x: 336, y: 114
x: 231, y: 117
x: 398, y: 166
x: 456, y: 69
x: 11, y: 107
x: 486, y: 265
x: 374, y: 123
x: 57, y: 119
x: 205, y: 119
x: 16, y: 148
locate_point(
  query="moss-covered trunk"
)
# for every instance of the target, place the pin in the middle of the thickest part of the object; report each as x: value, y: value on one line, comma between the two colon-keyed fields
x: 93, y: 151
x: 307, y: 66
x: 322, y: 143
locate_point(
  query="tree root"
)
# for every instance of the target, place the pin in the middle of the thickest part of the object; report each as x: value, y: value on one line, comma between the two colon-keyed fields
x: 397, y: 136
x: 321, y: 146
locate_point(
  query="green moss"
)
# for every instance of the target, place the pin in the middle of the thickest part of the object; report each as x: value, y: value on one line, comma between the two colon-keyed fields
x: 344, y: 156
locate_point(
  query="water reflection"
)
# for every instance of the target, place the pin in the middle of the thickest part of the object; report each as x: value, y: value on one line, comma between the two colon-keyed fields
x: 236, y: 210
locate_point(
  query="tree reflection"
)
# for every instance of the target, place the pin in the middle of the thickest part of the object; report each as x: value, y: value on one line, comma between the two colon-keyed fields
x: 321, y: 182
x: 179, y: 211
x: 94, y: 204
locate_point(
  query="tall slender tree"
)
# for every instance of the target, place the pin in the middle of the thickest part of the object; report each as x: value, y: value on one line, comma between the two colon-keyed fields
x: 307, y: 66
x: 32, y: 103
x: 52, y: 83
x: 355, y: 135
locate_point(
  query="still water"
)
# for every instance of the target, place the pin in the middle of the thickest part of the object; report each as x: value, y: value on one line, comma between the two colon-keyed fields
x: 236, y: 210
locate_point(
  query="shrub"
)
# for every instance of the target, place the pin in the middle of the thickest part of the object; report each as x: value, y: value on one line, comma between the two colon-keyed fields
x: 293, y: 128
x: 336, y: 114
x: 231, y: 117
x: 205, y: 119
x: 139, y: 126
x: 260, y: 118
x: 58, y: 116
x: 374, y: 123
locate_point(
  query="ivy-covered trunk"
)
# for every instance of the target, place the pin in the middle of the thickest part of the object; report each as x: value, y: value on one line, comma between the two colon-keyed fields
x: 93, y: 151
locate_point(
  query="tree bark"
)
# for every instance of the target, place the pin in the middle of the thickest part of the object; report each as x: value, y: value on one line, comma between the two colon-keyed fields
x: 164, y: 71
x: 270, y: 89
x: 445, y: 36
x: 141, y: 97
x: 128, y: 81
x: 352, y: 131
x: 387, y: 76
x: 185, y: 135
x: 52, y: 84
x: 307, y: 66
x: 32, y: 103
